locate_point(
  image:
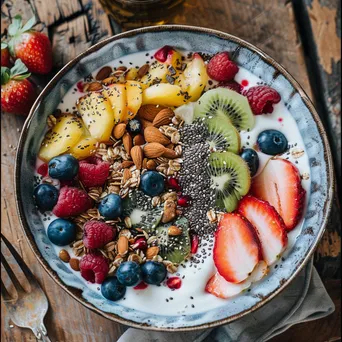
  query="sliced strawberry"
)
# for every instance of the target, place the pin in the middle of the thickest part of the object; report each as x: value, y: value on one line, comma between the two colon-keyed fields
x: 221, y: 288
x: 237, y: 248
x: 280, y: 185
x: 268, y: 224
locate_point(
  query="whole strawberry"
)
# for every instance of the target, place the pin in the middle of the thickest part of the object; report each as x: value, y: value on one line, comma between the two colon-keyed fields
x: 17, y: 92
x: 32, y: 47
x: 5, y: 55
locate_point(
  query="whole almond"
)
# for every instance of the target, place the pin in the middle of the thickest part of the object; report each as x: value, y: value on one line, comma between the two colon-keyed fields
x: 174, y: 231
x: 149, y: 111
x: 143, y: 70
x: 146, y: 123
x: 126, y: 163
x: 94, y: 86
x: 137, y: 156
x: 127, y: 142
x: 170, y: 154
x: 64, y: 255
x: 154, y: 150
x: 74, y: 264
x: 122, y: 245
x: 171, y: 146
x: 103, y: 73
x: 151, y: 164
x: 139, y: 140
x: 144, y: 164
x: 127, y: 174
x: 119, y: 130
x: 153, y: 135
x: 164, y: 117
x: 151, y: 252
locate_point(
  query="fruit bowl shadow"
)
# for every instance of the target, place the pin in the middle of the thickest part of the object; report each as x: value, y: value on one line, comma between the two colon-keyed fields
x: 189, y: 39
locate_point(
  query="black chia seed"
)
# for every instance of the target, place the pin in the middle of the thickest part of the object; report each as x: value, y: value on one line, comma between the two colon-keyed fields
x: 195, y: 180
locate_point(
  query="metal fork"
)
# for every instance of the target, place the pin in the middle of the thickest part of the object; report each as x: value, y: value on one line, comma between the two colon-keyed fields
x: 28, y: 309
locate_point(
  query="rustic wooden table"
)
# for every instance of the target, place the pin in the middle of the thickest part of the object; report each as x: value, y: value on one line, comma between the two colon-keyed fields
x: 303, y: 35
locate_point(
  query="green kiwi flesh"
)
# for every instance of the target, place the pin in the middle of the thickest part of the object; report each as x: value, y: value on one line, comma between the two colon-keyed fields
x: 174, y: 248
x: 226, y: 102
x: 222, y: 135
x: 230, y: 177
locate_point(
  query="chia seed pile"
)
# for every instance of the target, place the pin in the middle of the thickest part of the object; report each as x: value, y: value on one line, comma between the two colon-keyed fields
x: 195, y: 180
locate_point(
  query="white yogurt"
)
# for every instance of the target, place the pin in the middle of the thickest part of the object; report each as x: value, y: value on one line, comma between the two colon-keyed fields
x: 191, y: 297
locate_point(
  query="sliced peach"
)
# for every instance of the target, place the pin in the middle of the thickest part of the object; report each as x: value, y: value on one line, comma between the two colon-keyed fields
x: 194, y: 78
x: 134, y: 99
x: 85, y: 148
x: 62, y: 137
x: 164, y: 94
x: 156, y: 74
x: 117, y: 95
x: 132, y: 74
x: 97, y: 114
x: 168, y: 55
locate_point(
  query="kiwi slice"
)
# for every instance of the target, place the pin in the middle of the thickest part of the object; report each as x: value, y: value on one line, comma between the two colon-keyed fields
x: 230, y: 177
x: 145, y: 217
x: 221, y: 135
x: 174, y: 248
x: 226, y: 102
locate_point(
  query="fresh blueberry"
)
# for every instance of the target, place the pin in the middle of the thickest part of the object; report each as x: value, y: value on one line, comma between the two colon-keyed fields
x: 112, y: 289
x: 111, y: 206
x: 153, y: 272
x: 272, y: 142
x: 63, y: 167
x: 61, y: 232
x: 152, y: 183
x: 46, y: 196
x: 134, y: 126
x: 252, y: 160
x: 129, y: 273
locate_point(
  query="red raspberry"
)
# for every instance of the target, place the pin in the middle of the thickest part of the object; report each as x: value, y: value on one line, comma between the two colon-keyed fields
x: 232, y: 85
x: 93, y: 172
x: 261, y: 99
x: 221, y: 68
x: 94, y: 268
x: 96, y: 234
x: 72, y: 202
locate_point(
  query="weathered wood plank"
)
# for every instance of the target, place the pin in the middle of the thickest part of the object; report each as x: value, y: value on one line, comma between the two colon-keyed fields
x: 55, y: 10
x: 319, y: 23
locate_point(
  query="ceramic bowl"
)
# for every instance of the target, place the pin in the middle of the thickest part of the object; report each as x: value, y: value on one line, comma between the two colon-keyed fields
x: 190, y: 39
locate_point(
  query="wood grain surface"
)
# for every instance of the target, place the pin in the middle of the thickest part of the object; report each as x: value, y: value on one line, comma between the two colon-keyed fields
x: 74, y: 25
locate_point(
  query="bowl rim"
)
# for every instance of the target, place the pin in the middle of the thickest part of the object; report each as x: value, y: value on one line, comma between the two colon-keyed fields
x: 76, y: 293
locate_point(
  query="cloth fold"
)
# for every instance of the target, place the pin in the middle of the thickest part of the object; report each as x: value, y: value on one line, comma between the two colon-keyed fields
x: 305, y: 299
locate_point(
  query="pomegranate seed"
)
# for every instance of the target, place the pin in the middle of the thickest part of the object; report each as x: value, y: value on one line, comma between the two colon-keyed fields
x: 173, y: 184
x: 43, y: 169
x: 140, y: 244
x: 140, y: 286
x: 79, y: 86
x: 174, y: 283
x: 194, y: 244
x: 184, y: 201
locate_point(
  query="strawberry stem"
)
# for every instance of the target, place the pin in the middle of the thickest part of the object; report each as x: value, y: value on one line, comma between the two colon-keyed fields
x: 17, y: 73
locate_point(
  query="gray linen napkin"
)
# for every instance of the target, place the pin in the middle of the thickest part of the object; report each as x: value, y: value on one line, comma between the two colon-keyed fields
x: 305, y: 299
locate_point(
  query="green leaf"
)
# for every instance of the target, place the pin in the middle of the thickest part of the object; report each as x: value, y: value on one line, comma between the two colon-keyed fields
x: 19, y: 68
x: 29, y: 24
x: 5, y: 75
x: 3, y: 45
x: 15, y: 26
x: 21, y: 77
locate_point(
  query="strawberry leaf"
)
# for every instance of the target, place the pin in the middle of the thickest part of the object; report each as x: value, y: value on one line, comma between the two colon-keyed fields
x: 3, y: 45
x: 19, y: 70
x: 5, y: 75
x: 15, y: 26
x: 29, y: 24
